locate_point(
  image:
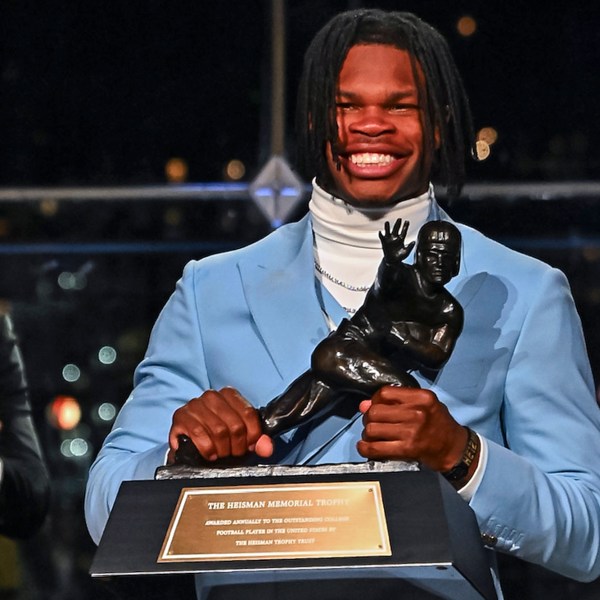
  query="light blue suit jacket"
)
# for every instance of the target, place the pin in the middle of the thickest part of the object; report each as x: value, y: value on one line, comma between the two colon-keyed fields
x: 519, y: 376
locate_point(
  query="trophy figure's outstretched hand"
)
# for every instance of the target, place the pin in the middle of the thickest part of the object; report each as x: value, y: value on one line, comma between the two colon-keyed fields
x: 392, y: 241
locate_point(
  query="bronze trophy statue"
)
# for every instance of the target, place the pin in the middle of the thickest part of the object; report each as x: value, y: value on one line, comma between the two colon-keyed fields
x: 408, y: 322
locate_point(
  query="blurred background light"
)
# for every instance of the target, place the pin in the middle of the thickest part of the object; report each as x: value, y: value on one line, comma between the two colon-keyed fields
x: 176, y: 170
x: 482, y: 150
x: 49, y: 207
x: 79, y: 447
x: 72, y: 281
x: 67, y: 280
x: 107, y: 355
x: 74, y: 448
x: 234, y: 170
x: 173, y: 216
x: 466, y: 26
x: 488, y: 135
x: 107, y: 412
x: 64, y: 412
x: 71, y: 373
x: 485, y: 138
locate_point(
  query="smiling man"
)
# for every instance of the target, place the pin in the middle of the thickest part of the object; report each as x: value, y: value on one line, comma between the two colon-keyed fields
x: 511, y: 418
x: 379, y: 157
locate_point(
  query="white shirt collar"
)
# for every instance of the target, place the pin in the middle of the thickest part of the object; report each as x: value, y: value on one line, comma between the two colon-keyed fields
x: 347, y: 248
x: 336, y: 221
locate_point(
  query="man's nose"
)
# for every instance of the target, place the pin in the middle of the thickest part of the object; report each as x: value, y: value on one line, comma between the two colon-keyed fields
x: 372, y: 122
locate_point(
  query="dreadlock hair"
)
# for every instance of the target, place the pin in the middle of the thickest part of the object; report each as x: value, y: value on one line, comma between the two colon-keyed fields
x: 446, y: 106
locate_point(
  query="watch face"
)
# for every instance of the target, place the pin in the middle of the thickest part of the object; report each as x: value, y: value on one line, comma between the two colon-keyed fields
x: 458, y: 472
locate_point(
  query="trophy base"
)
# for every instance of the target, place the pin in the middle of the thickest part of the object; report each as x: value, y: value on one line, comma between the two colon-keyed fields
x: 216, y: 472
x: 274, y: 528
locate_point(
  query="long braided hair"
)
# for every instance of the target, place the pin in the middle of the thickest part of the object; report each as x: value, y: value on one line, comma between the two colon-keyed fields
x: 446, y: 106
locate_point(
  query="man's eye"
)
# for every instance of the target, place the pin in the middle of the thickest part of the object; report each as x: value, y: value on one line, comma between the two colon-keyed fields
x: 345, y: 106
x: 403, y: 108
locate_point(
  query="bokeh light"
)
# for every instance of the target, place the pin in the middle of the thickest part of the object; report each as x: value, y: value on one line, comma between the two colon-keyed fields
x: 74, y: 448
x: 49, y: 207
x: 466, y: 26
x: 488, y: 135
x: 235, y: 170
x: 64, y: 412
x: 107, y: 412
x: 482, y: 150
x: 107, y: 355
x: 72, y: 281
x: 71, y: 373
x: 176, y: 170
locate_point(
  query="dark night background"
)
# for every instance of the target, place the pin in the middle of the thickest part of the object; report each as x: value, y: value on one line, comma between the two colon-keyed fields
x: 106, y: 92
x: 100, y: 95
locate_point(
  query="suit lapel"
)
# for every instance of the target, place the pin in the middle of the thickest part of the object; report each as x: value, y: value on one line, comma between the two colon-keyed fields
x: 465, y: 285
x: 280, y: 291
x: 286, y: 307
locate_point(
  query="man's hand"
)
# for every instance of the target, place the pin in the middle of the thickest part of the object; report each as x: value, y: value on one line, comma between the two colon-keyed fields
x: 392, y: 242
x: 220, y: 424
x: 402, y: 423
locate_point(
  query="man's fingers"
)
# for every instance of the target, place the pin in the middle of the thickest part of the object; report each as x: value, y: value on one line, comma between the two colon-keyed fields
x: 198, y: 436
x: 264, y: 446
x: 364, y: 406
x: 208, y: 433
x: 391, y: 431
x: 400, y: 414
x: 248, y: 415
x: 396, y: 395
x: 219, y: 423
x: 225, y: 417
x: 387, y: 450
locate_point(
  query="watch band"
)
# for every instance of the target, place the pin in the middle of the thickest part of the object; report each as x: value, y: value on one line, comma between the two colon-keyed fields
x: 461, y: 468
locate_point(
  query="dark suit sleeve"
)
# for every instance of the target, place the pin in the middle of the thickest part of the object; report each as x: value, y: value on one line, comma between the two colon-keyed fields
x: 24, y: 488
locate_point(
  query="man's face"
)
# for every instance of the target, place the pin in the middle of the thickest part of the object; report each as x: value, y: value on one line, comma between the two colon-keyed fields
x: 379, y: 118
x: 436, y: 262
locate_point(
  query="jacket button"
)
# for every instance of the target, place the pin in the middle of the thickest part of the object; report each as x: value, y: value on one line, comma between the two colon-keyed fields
x: 489, y: 539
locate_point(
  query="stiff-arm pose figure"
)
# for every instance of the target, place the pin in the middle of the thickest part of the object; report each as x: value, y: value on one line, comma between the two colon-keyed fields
x: 408, y: 321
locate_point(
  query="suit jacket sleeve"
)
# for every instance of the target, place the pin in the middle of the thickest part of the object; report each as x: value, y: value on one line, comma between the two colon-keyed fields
x: 25, y: 488
x: 540, y: 494
x: 172, y: 372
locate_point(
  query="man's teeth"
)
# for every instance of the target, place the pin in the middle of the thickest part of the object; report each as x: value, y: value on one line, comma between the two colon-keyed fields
x: 370, y: 158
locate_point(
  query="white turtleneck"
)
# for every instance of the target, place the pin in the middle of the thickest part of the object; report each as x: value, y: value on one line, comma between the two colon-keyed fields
x: 346, y: 240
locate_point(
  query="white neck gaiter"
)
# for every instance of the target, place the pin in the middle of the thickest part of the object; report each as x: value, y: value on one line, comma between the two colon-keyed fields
x: 346, y: 241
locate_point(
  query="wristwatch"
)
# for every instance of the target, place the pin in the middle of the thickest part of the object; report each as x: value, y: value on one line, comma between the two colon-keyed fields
x: 461, y: 468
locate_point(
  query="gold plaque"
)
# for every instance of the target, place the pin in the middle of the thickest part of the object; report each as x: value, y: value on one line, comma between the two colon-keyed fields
x: 279, y: 521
